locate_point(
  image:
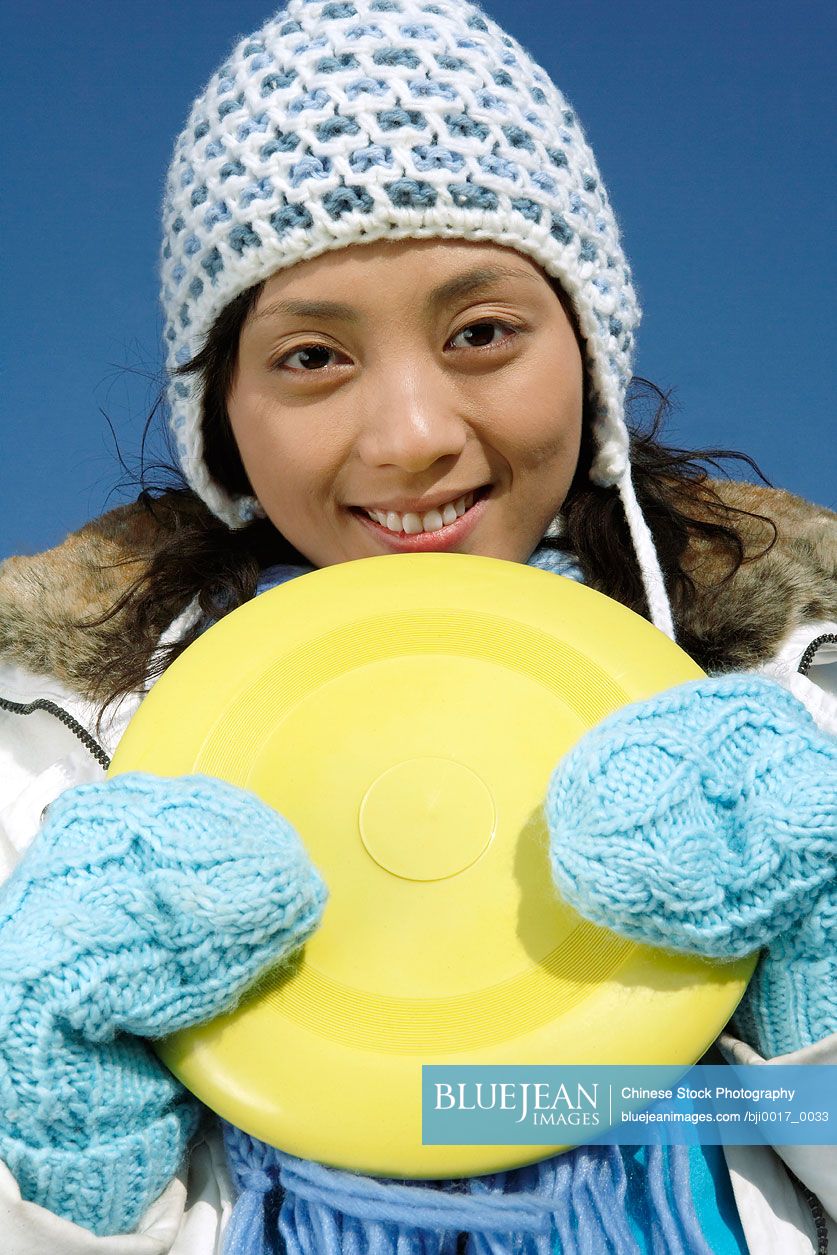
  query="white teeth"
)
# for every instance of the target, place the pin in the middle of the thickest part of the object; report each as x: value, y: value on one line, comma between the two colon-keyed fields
x: 432, y: 521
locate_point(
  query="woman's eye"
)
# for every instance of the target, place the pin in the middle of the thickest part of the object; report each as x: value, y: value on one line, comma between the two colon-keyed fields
x: 311, y: 357
x: 481, y: 335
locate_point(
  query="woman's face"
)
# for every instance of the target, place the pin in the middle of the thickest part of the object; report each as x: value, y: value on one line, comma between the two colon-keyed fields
x: 410, y: 396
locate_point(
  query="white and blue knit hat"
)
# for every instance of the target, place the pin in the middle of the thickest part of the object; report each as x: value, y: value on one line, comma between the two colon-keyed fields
x: 348, y: 121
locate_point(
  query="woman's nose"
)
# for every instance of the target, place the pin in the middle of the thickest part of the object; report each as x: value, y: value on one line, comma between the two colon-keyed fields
x: 410, y: 420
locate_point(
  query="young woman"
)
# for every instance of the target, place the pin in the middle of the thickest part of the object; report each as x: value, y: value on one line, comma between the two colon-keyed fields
x: 398, y: 318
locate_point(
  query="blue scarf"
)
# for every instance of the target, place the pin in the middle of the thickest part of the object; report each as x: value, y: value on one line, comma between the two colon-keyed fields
x: 595, y: 1199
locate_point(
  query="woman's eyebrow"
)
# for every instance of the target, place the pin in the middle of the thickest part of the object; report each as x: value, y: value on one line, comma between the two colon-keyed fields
x: 474, y: 281
x: 453, y: 289
x: 333, y: 310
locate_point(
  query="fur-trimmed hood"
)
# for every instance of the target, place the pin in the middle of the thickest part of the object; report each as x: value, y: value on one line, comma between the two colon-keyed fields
x: 739, y: 622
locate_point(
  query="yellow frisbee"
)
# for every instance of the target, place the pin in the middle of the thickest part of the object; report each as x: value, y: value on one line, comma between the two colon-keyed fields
x: 405, y: 714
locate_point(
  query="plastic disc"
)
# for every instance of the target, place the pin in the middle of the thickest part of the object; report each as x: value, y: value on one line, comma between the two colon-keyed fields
x: 405, y: 713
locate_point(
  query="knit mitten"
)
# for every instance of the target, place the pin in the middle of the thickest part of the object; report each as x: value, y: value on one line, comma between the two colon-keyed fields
x: 705, y: 820
x: 143, y: 906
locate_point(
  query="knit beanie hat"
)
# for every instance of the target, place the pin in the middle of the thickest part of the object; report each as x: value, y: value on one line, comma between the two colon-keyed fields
x: 349, y: 121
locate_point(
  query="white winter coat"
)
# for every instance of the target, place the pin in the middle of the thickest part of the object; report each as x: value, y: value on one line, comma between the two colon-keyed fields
x: 40, y: 756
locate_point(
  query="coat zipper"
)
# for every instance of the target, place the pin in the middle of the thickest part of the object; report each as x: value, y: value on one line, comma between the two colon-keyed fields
x: 817, y: 1212
x: 52, y: 708
x: 828, y: 638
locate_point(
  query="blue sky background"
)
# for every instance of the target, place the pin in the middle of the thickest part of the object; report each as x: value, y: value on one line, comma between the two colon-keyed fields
x: 712, y: 124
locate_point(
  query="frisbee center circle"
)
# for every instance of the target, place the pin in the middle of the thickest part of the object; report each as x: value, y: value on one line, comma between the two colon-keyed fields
x: 427, y: 818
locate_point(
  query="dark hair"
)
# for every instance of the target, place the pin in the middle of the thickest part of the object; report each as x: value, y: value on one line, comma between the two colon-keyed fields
x: 198, y: 556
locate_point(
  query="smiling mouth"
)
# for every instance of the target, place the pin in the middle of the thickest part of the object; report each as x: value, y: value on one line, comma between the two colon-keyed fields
x: 411, y: 524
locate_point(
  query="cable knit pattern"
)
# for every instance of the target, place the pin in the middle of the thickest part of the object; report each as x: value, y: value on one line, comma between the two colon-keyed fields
x: 349, y: 122
x: 705, y: 820
x: 144, y: 905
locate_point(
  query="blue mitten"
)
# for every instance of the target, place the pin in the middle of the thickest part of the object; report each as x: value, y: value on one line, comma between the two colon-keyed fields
x: 144, y: 905
x: 705, y: 820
